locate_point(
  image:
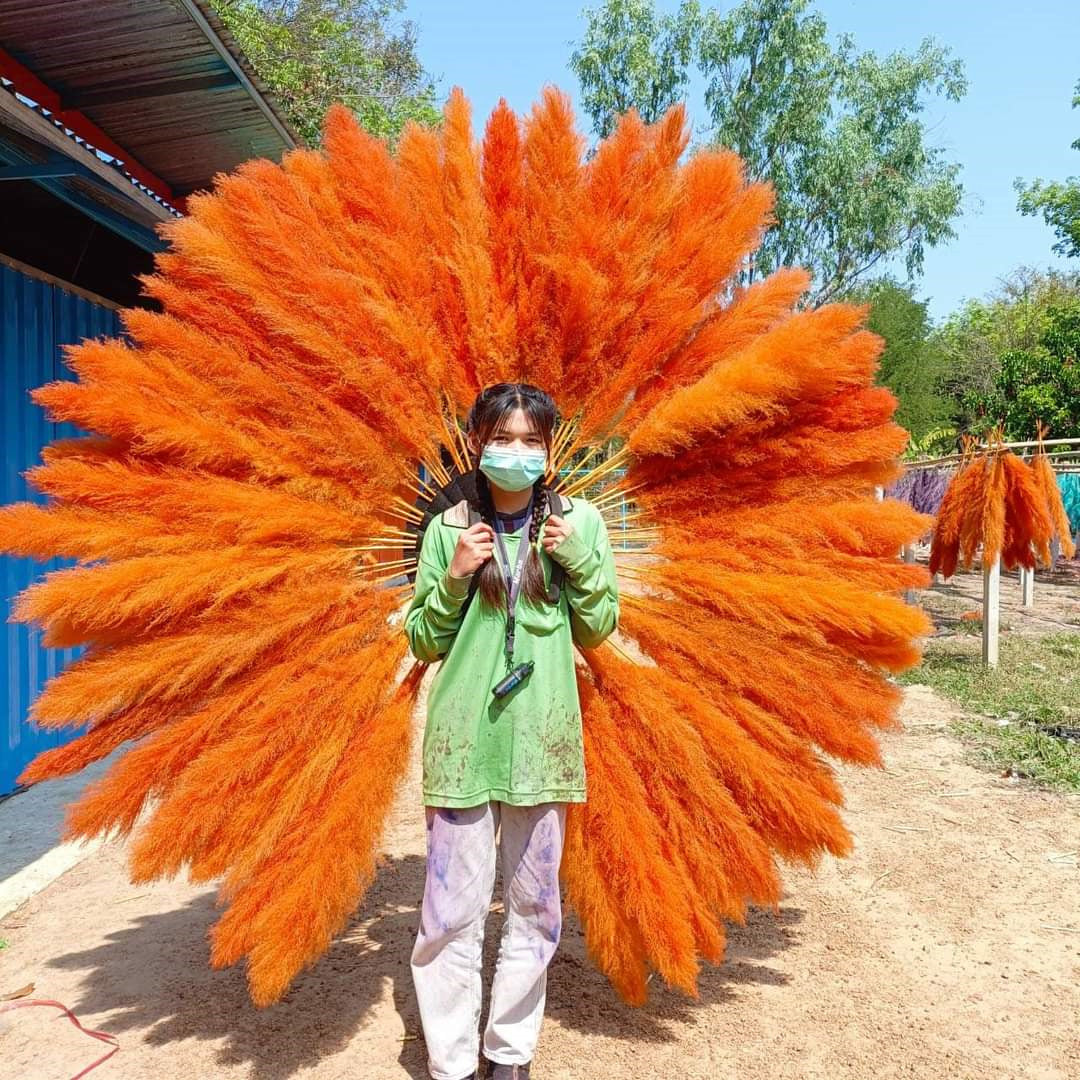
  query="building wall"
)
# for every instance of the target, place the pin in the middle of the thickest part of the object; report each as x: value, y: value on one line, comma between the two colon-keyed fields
x: 36, y: 317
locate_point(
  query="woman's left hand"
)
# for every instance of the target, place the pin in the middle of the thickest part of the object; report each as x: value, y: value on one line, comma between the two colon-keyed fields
x: 556, y: 529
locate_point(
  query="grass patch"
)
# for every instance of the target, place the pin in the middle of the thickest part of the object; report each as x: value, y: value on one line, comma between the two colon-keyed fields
x: 1034, y: 689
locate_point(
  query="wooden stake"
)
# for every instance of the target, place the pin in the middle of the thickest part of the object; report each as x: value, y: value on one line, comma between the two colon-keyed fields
x: 1027, y: 586
x: 991, y: 611
x: 907, y: 552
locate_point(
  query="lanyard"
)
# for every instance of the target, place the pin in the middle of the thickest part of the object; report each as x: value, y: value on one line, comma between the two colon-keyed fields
x: 513, y: 580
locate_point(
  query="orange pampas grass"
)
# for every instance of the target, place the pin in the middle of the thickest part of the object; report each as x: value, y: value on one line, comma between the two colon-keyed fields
x: 1047, y: 486
x: 997, y: 503
x: 245, y: 509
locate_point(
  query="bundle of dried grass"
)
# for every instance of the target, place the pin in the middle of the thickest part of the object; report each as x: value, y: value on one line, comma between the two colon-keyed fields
x: 240, y: 510
x: 998, y: 504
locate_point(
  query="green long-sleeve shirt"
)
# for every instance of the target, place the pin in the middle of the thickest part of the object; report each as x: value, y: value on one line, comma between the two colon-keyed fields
x: 526, y: 747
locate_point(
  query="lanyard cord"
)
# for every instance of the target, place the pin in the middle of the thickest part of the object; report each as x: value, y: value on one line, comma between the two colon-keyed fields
x: 513, y: 579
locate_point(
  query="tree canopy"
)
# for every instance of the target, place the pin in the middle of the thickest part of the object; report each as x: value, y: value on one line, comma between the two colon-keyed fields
x: 912, y: 363
x: 311, y: 53
x: 836, y: 131
x: 1057, y: 201
x: 1015, y: 356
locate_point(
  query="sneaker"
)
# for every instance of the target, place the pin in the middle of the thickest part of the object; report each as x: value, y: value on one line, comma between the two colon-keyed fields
x: 509, y: 1072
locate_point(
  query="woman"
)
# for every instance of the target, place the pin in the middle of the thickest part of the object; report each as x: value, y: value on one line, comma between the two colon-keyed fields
x: 501, y: 761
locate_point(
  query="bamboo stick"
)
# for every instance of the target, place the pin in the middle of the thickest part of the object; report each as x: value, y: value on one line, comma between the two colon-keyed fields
x: 393, y: 534
x: 374, y: 547
x: 364, y: 568
x: 458, y: 438
x: 430, y: 494
x: 408, y: 511
x: 389, y: 577
x: 594, y: 474
x: 439, y: 471
x: 559, y: 445
x: 619, y: 649
x: 615, y: 491
x: 573, y: 444
x: 564, y: 482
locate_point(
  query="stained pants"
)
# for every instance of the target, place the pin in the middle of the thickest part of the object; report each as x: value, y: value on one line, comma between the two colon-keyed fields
x: 448, y: 954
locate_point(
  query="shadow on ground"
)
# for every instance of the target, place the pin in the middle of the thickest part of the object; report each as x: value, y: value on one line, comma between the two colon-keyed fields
x: 155, y: 977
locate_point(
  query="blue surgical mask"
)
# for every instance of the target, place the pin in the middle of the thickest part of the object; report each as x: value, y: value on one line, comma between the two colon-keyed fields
x: 513, y: 470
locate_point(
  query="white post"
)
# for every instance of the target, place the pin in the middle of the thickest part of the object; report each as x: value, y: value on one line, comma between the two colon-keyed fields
x: 991, y: 611
x: 1027, y: 586
x: 907, y: 552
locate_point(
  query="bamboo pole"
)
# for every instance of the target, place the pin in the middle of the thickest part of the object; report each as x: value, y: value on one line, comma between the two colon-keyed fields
x: 921, y: 463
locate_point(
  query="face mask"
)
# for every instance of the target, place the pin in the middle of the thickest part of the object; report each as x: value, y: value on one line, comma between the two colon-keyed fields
x: 512, y: 470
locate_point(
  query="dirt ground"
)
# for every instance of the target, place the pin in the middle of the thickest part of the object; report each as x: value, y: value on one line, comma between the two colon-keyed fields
x: 947, y: 946
x: 1055, y: 607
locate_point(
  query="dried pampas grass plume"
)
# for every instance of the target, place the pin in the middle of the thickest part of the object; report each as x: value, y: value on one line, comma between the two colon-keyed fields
x: 244, y: 509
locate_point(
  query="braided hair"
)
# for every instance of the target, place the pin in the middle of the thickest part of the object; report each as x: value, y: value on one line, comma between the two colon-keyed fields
x: 491, y: 407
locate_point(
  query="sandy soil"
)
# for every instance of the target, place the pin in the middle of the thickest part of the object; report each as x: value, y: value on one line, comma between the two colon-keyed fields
x: 1055, y: 607
x: 948, y: 945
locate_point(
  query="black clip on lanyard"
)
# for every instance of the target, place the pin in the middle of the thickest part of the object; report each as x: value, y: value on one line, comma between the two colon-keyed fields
x: 513, y: 582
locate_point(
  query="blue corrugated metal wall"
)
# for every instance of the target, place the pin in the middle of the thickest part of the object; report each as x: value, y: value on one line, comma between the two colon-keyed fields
x: 36, y: 318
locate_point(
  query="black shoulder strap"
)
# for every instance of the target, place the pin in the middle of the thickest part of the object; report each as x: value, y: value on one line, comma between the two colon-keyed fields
x: 556, y: 505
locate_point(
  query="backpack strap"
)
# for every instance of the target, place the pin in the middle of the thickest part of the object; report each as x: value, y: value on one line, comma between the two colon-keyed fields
x: 474, y: 579
x: 556, y: 505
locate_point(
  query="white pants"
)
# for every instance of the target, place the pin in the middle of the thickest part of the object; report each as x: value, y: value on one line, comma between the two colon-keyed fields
x: 447, y: 957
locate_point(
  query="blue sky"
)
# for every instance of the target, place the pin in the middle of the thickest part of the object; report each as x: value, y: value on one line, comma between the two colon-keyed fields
x: 1015, y: 120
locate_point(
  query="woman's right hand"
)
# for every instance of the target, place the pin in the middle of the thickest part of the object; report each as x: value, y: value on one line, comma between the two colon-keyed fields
x: 474, y: 547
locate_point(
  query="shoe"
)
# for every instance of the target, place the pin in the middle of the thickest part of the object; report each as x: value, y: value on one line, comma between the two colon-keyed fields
x: 509, y: 1072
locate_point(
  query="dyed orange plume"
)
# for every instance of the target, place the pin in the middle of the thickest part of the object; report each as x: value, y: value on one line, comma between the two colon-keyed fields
x: 1047, y: 485
x: 247, y: 495
x: 1000, y: 504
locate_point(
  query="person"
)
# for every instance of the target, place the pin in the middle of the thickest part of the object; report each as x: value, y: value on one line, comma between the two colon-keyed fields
x: 509, y: 763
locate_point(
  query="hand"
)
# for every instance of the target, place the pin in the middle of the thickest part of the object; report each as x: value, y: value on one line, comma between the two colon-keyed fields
x: 556, y: 530
x: 474, y: 547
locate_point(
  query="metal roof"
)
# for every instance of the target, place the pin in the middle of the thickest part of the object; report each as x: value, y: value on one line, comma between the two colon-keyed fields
x: 158, y: 84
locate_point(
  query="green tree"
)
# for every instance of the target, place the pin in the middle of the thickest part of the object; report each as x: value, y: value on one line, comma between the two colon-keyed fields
x: 312, y: 53
x: 1012, y: 356
x: 911, y: 364
x: 1043, y: 383
x: 631, y: 57
x: 1057, y: 201
x: 837, y: 132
